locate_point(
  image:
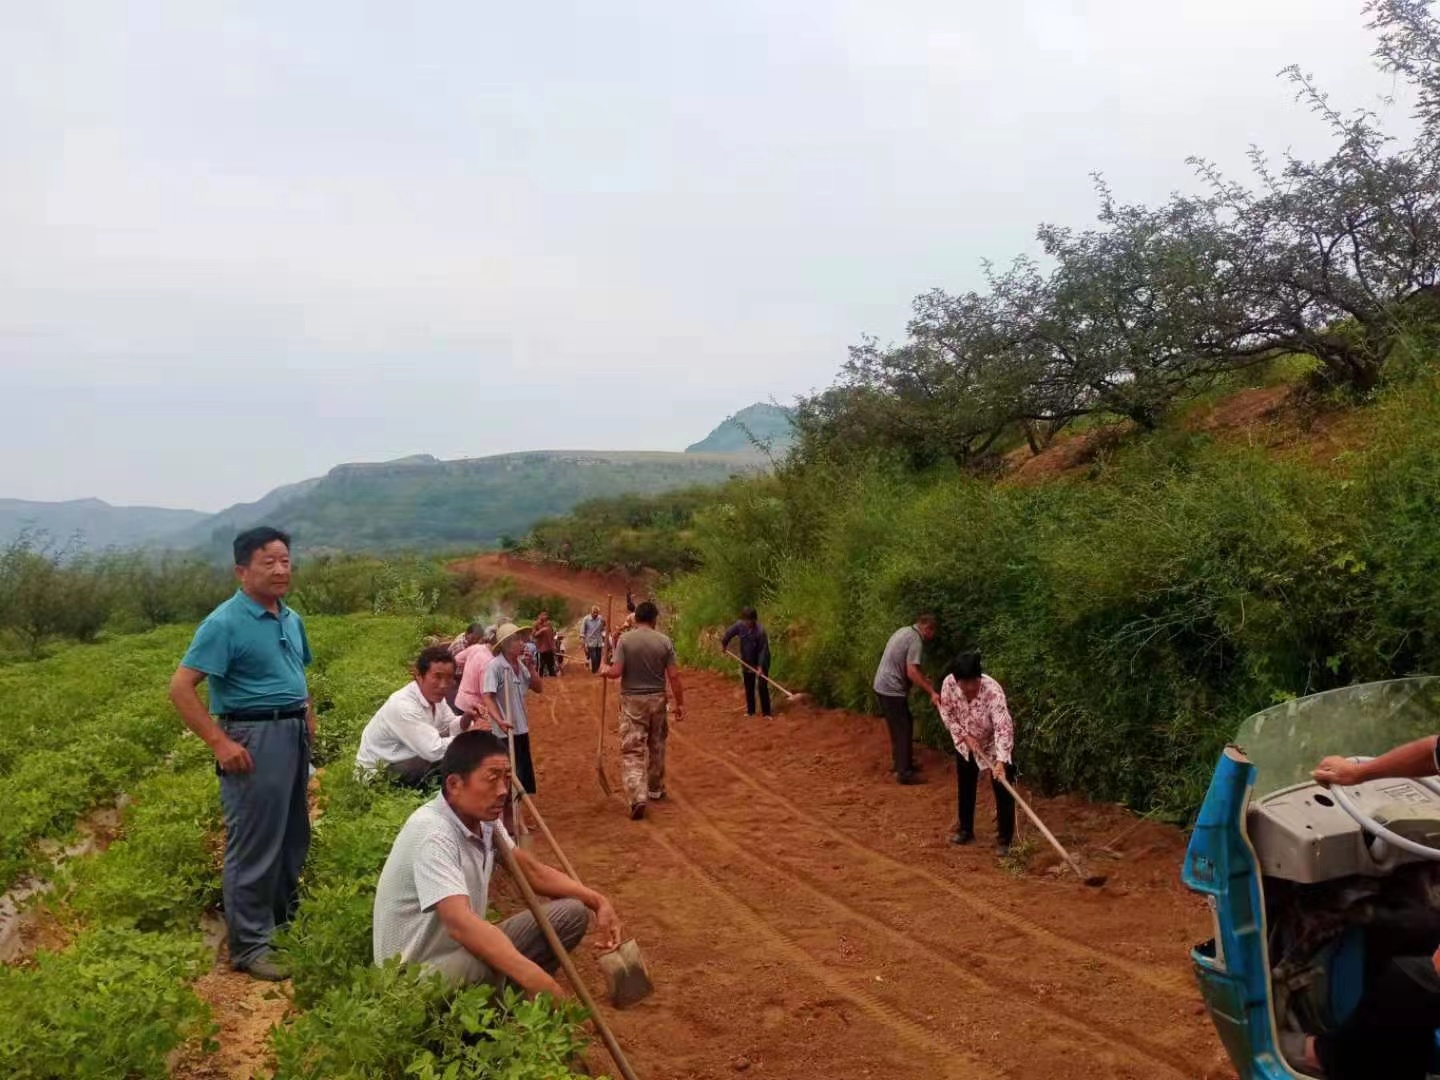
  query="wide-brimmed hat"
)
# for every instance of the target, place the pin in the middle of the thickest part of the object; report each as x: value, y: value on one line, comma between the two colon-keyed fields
x: 507, y: 631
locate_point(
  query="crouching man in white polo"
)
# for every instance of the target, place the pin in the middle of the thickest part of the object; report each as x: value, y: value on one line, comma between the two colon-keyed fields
x: 431, y: 901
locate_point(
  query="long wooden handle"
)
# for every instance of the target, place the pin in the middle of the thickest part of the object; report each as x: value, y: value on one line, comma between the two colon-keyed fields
x: 524, y: 796
x: 553, y: 939
x: 1004, y: 782
x: 757, y: 671
x: 605, y: 682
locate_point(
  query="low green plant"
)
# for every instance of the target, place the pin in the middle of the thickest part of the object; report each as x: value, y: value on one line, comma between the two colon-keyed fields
x: 114, y: 1004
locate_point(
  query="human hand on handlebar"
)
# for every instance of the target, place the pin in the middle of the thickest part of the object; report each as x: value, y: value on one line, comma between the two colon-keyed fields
x: 1338, y: 770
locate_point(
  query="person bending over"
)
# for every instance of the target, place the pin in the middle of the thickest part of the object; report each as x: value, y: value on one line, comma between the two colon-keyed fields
x: 973, y: 709
x: 755, y: 651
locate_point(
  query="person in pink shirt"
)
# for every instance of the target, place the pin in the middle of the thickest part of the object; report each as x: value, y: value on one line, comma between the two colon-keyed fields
x: 471, y: 683
x: 973, y: 709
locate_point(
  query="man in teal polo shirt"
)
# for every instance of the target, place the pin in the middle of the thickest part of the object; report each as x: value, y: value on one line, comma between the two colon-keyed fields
x: 253, y: 651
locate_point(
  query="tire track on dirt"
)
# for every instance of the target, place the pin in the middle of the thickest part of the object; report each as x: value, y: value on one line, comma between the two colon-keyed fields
x: 1083, y: 1028
x: 1165, y: 982
x: 954, y: 1062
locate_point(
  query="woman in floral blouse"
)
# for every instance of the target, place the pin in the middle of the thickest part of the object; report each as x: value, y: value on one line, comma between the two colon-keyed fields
x: 972, y: 706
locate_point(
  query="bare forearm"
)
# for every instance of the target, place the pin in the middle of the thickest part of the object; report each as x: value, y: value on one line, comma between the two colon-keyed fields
x: 489, y: 945
x: 1413, y: 759
x: 186, y: 698
x: 677, y: 687
x: 918, y: 678
x: 553, y: 884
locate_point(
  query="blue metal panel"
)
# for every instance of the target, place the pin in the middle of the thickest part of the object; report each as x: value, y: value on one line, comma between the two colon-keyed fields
x: 1232, y: 970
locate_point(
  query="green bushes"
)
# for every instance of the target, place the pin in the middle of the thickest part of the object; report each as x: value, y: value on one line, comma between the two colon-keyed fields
x: 381, y: 1022
x: 1135, y: 616
x: 78, y: 727
x: 114, y: 1004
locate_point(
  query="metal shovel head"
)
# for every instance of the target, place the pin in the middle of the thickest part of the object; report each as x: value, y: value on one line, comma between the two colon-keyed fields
x: 626, y: 974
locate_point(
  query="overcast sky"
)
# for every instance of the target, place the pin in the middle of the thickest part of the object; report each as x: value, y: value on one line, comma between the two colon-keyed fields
x: 241, y: 243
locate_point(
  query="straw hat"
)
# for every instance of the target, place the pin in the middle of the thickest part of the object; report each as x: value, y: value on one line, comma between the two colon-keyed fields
x: 507, y: 631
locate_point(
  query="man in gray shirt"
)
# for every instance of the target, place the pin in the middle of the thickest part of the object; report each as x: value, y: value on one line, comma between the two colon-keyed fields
x: 899, y: 668
x: 644, y: 662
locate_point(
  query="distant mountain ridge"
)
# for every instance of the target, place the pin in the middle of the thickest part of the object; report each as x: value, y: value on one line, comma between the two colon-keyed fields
x: 418, y: 502
x: 96, y: 523
x: 772, y: 426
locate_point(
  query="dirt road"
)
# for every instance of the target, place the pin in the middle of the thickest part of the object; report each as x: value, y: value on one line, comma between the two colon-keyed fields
x: 804, y: 916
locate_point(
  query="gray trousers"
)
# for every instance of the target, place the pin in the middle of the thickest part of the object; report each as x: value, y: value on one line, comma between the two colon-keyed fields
x: 267, y: 832
x: 570, y: 918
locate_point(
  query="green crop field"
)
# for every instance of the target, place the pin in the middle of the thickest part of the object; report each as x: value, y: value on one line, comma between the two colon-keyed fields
x: 90, y: 722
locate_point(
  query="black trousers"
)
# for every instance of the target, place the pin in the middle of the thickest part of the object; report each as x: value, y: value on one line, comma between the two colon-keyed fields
x: 750, y: 686
x: 967, y: 779
x: 547, y: 664
x: 524, y: 766
x: 1391, y: 1033
x: 596, y: 653
x: 896, y: 711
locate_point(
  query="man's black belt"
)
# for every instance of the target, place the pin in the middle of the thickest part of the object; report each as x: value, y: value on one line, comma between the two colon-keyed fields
x: 255, y: 716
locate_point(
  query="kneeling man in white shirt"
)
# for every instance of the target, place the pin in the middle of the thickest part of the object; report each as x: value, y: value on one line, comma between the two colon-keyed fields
x: 431, y: 901
x: 409, y: 734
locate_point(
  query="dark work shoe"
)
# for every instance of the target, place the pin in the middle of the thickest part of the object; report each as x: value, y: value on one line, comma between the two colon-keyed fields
x: 267, y: 970
x: 654, y: 796
x: 637, y: 811
x: 962, y: 837
x: 908, y: 778
x: 1002, y: 849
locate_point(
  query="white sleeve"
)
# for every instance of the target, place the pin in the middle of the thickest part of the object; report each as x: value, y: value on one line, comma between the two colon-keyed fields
x: 413, y: 727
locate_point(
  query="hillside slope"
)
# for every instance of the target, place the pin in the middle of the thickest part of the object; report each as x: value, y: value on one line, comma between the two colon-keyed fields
x: 424, y: 503
x: 772, y: 426
x: 98, y: 524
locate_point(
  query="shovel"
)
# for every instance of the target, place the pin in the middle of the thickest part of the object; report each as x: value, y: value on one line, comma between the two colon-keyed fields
x: 553, y: 940
x: 790, y: 699
x: 1092, y: 880
x: 625, y: 972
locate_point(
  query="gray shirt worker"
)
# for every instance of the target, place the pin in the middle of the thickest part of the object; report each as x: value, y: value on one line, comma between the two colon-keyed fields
x: 903, y: 649
x: 435, y: 856
x: 892, y: 687
x: 254, y: 662
x: 646, y: 654
x: 508, y: 682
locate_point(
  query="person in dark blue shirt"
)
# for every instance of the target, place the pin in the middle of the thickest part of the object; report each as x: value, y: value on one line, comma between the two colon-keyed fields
x: 755, y: 651
x: 252, y: 650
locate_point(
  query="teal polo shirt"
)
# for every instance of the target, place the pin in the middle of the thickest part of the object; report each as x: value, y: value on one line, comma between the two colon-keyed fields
x: 253, y: 659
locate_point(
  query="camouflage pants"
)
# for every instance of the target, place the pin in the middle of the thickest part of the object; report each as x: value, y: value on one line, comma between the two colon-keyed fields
x: 643, y: 729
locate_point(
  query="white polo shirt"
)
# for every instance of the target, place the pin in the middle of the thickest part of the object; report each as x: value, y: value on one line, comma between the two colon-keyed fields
x: 433, y: 857
x: 406, y: 727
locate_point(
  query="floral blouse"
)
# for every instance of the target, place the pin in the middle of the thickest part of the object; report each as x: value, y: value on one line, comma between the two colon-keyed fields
x: 986, y: 719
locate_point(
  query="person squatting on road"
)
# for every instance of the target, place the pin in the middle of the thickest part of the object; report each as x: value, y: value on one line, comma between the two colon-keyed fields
x: 507, y: 677
x: 253, y: 651
x: 1391, y: 1032
x: 433, y: 893
x: 644, y: 661
x: 408, y: 735
x: 593, y: 634
x: 899, y: 668
x: 755, y: 651
x: 973, y: 710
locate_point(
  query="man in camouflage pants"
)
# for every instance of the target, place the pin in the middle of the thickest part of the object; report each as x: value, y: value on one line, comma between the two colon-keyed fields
x: 644, y: 662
